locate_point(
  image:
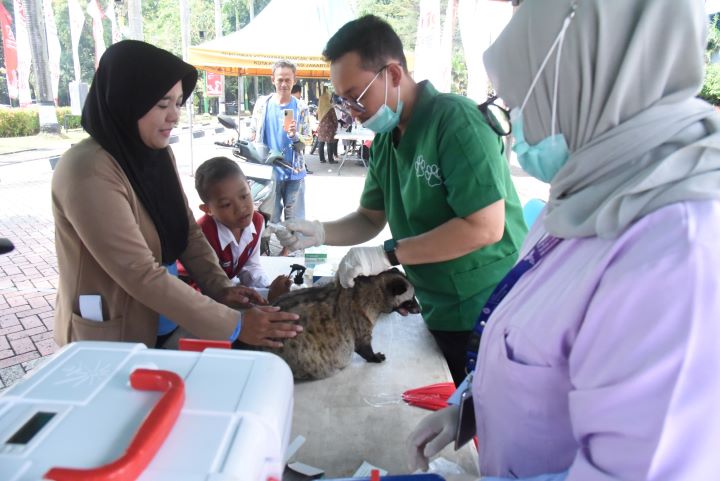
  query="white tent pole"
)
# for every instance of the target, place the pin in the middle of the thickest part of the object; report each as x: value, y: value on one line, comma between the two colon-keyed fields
x: 240, y: 96
x: 218, y: 34
x: 251, y: 5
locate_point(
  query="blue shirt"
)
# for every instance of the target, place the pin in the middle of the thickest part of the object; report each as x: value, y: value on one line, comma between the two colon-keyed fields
x: 277, y: 139
x: 165, y: 325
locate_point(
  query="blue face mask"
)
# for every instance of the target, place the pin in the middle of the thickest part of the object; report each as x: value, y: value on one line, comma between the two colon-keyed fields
x: 384, y: 120
x: 544, y: 159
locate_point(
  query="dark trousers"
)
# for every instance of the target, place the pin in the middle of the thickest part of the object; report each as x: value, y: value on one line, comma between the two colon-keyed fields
x: 453, y: 345
x: 331, y: 151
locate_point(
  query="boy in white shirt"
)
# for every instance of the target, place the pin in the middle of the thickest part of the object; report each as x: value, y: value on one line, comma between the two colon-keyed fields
x: 232, y: 226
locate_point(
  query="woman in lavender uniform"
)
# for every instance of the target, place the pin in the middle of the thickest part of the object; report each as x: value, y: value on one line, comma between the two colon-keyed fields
x: 601, y: 363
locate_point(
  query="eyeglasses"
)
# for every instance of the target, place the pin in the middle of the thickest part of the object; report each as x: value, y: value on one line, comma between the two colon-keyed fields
x: 354, y: 103
x: 497, y: 117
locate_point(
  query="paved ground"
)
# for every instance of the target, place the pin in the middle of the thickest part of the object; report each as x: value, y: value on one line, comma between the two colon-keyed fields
x: 28, y: 276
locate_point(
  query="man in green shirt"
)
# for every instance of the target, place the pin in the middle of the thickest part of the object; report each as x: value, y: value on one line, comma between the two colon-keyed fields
x: 437, y: 175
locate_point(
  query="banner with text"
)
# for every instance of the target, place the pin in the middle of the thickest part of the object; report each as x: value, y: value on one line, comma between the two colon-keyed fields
x: 9, y: 52
x: 213, y: 84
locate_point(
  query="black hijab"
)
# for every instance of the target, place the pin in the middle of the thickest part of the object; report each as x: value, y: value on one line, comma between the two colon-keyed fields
x: 131, y: 78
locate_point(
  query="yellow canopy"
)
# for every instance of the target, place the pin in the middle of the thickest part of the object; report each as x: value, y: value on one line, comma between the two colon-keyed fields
x: 283, y: 30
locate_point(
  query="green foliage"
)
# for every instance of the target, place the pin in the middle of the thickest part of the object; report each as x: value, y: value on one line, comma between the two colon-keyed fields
x: 66, y: 119
x: 86, y: 49
x: 459, y: 73
x: 161, y: 21
x: 402, y: 15
x: 458, y: 68
x: 713, y: 43
x: 18, y: 122
x: 24, y: 122
x: 235, y: 15
x: 161, y: 27
x: 711, y: 88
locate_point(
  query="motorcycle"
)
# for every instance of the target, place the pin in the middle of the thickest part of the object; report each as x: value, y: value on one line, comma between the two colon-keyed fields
x: 257, y: 167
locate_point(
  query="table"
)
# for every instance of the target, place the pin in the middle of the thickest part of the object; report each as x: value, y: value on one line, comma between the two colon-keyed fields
x: 279, y: 265
x: 360, y: 135
x: 358, y: 414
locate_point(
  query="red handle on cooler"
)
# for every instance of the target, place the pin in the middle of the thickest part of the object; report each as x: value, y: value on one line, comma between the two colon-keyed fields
x: 199, y: 345
x: 149, y: 437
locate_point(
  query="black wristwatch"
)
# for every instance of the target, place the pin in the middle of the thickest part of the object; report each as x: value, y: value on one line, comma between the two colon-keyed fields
x: 389, y: 247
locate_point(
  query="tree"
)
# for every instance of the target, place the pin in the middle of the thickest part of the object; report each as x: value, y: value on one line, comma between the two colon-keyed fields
x: 713, y: 43
x: 41, y: 66
x: 711, y: 86
x: 135, y: 20
x: 402, y: 15
x: 86, y: 51
x: 159, y: 24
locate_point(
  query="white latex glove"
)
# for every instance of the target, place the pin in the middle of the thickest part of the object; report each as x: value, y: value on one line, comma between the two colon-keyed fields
x: 430, y: 436
x: 299, y: 234
x: 362, y: 261
x: 462, y: 477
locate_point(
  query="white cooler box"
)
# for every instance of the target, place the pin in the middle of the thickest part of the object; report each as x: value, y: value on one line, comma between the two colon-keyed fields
x: 80, y: 411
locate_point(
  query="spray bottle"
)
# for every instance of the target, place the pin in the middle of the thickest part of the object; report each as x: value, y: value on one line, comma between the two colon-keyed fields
x: 298, y: 278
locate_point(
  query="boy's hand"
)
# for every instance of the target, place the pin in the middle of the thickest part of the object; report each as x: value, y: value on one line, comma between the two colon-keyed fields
x: 264, y: 326
x: 241, y: 296
x: 278, y: 287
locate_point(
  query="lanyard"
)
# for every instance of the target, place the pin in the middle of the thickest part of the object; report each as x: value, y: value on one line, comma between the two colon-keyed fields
x: 541, y: 249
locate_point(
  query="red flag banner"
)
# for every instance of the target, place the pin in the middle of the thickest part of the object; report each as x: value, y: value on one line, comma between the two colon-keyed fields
x: 9, y: 51
x: 214, y: 84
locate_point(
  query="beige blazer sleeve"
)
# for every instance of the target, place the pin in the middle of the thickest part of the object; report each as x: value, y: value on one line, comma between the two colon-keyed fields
x: 117, y: 231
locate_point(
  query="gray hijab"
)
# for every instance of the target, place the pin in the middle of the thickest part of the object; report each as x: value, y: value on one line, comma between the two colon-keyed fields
x: 629, y: 73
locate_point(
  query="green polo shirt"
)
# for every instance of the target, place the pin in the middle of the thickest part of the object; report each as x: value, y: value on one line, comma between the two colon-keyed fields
x: 448, y: 164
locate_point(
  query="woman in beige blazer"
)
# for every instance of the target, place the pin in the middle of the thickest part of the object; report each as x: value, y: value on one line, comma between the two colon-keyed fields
x: 121, y: 217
